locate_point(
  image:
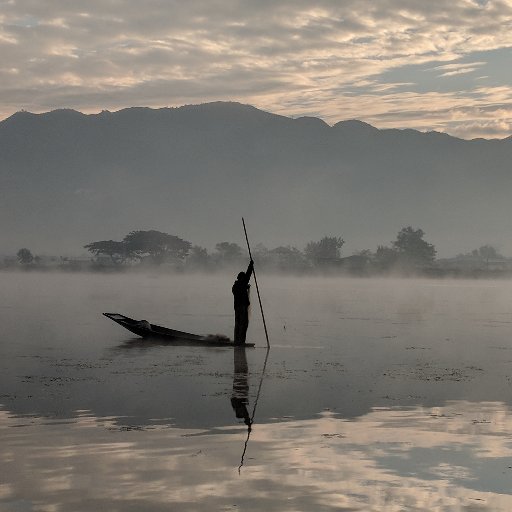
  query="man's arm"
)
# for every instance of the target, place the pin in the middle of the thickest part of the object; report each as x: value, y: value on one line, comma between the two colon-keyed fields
x: 248, y: 272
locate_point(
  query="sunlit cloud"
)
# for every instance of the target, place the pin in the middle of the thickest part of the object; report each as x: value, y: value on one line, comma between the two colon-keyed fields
x: 459, y: 68
x: 294, y: 58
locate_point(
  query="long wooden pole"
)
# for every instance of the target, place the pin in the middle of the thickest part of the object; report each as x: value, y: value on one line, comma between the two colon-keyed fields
x: 256, y: 283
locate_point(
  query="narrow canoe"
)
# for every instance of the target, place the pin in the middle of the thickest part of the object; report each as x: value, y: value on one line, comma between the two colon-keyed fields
x: 147, y: 330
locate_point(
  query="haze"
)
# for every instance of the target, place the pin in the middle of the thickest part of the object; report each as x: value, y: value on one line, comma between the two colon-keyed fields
x: 69, y: 179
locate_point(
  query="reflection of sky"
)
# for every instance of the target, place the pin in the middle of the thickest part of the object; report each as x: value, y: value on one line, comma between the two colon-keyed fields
x: 443, y: 458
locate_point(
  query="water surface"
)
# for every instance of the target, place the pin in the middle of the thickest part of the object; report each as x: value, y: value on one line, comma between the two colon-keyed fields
x: 377, y: 394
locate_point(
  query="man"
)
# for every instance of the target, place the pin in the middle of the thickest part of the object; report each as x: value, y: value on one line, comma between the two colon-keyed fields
x: 240, y: 291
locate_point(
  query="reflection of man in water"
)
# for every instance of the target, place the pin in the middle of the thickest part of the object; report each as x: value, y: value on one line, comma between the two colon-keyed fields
x: 240, y: 291
x: 240, y: 396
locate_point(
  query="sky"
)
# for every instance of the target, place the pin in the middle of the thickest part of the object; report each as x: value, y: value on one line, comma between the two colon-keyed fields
x: 422, y: 64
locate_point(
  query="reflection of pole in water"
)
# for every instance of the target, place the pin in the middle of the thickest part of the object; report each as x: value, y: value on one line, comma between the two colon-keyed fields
x: 251, y: 419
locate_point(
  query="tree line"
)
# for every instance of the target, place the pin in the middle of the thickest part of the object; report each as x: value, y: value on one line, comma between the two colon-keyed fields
x: 409, y: 250
x: 409, y: 253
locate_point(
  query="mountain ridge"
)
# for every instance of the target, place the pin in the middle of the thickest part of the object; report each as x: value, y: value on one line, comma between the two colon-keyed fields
x: 226, y: 107
x: 69, y: 178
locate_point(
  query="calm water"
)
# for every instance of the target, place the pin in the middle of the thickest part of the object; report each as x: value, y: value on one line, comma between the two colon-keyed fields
x: 376, y: 395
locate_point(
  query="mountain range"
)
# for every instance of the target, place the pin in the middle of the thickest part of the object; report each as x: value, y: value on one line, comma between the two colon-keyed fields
x: 68, y: 178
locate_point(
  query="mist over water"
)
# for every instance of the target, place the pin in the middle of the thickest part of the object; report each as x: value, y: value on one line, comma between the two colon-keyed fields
x: 402, y: 382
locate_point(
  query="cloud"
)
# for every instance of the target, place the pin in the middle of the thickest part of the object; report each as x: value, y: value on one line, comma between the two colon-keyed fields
x: 458, y: 68
x: 293, y: 57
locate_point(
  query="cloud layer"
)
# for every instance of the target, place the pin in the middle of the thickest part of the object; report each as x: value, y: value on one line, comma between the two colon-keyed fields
x: 393, y: 63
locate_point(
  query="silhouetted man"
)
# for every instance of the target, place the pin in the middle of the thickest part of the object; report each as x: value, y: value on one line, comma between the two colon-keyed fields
x: 241, y: 301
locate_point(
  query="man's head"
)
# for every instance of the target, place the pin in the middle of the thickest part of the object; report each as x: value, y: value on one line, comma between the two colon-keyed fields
x: 240, y: 275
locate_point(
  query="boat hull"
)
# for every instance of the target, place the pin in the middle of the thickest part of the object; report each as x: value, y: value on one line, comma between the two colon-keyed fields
x: 152, y: 331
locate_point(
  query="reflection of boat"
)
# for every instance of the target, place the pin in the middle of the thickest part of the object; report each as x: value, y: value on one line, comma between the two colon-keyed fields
x: 146, y: 330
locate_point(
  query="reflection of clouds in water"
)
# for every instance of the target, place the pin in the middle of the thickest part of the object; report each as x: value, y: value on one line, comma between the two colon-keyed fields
x: 444, y: 470
x: 443, y: 458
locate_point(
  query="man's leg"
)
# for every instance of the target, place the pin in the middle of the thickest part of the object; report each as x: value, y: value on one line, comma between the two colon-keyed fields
x: 244, y: 324
x: 238, y: 324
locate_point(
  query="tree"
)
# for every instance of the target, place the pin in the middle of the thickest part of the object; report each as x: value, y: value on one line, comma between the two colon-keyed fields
x: 485, y: 252
x: 228, y: 252
x: 198, y: 257
x: 117, y: 251
x: 385, y: 257
x: 488, y: 252
x: 364, y: 253
x: 260, y: 254
x: 158, y: 246
x: 327, y: 249
x: 411, y: 247
x: 25, y: 256
x: 288, y: 258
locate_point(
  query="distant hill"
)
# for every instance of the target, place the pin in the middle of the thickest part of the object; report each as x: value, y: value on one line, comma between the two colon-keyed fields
x: 68, y: 179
